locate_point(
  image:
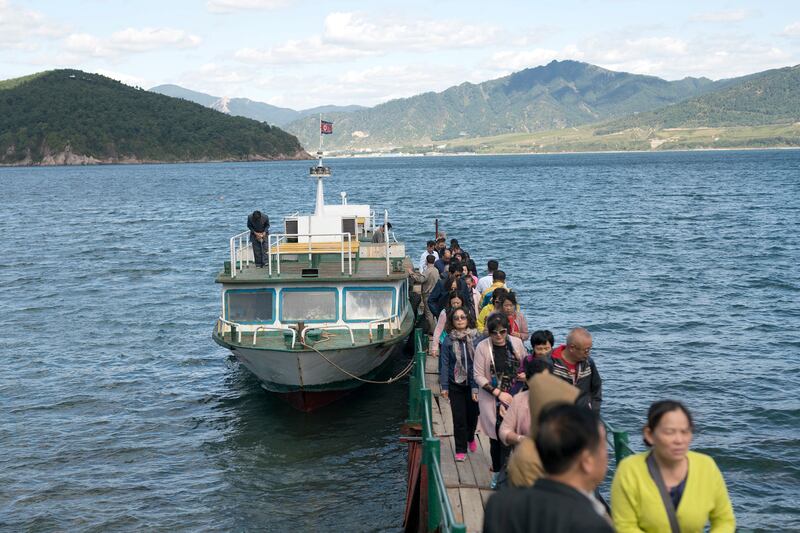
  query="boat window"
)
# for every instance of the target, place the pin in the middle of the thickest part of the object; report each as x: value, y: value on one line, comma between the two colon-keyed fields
x: 368, y: 304
x: 309, y: 305
x: 250, y: 305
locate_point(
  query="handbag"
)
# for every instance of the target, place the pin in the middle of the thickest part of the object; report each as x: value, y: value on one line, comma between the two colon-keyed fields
x: 655, y: 473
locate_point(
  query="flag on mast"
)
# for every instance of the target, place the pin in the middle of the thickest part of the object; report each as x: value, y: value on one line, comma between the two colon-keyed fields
x: 325, y: 127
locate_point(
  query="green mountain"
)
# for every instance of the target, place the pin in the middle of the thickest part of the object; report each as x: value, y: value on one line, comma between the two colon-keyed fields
x: 769, y: 97
x: 72, y: 117
x: 244, y: 107
x: 558, y: 95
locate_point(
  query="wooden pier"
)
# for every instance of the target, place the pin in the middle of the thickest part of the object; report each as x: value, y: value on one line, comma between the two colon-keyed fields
x: 467, y: 482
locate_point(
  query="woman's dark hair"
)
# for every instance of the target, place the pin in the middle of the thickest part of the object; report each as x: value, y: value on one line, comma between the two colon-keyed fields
x: 534, y: 366
x: 543, y: 336
x: 496, y: 321
x: 499, y: 294
x: 454, y: 294
x: 511, y: 297
x: 659, y: 409
x: 450, y: 325
x: 564, y: 432
x: 453, y: 243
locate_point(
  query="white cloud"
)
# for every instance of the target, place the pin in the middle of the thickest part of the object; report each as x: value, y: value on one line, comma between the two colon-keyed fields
x: 313, y: 50
x: 733, y: 15
x: 356, y: 30
x: 507, y: 61
x: 127, y: 79
x: 792, y: 30
x: 348, y: 36
x: 129, y: 40
x: 22, y: 28
x: 228, y: 6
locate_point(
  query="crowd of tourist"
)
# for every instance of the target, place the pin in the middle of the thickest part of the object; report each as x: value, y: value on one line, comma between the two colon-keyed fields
x: 539, y: 405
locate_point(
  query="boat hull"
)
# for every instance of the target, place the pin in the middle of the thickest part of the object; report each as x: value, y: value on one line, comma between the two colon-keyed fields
x: 309, y: 380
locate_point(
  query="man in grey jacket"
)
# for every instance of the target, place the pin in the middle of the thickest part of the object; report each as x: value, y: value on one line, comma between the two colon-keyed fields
x: 429, y: 278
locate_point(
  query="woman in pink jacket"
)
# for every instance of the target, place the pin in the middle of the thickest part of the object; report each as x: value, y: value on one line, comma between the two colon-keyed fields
x: 496, y: 362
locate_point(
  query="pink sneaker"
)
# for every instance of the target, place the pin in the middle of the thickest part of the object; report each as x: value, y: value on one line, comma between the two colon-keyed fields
x: 473, y: 446
x: 461, y: 457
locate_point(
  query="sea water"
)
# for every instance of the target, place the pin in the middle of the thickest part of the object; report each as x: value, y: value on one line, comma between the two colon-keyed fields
x: 117, y: 411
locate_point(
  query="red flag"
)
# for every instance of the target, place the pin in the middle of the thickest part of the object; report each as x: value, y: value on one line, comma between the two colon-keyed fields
x: 325, y: 127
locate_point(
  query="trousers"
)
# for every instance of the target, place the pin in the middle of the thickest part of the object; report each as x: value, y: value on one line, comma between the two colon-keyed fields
x: 465, y: 415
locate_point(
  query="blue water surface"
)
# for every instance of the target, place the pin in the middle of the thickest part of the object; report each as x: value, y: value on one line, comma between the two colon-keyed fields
x: 119, y: 412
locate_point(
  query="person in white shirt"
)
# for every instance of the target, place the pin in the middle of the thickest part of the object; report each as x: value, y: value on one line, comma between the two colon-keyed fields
x: 486, y: 281
x: 423, y: 263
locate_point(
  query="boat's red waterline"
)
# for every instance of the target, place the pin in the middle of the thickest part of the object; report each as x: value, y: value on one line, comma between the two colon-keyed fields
x: 311, y: 401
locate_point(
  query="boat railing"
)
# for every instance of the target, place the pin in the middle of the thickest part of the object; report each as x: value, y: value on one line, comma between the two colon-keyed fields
x: 240, y: 251
x: 234, y: 328
x: 325, y: 328
x: 393, y: 322
x: 275, y: 328
x: 283, y: 238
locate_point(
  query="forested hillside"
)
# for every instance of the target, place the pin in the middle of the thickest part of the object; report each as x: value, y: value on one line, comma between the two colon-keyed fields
x: 69, y: 116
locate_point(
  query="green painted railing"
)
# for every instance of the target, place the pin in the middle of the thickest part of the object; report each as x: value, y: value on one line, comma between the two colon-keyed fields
x: 420, y: 398
x: 420, y: 408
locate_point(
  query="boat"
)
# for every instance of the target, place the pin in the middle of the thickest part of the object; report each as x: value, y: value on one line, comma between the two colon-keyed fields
x: 327, y: 312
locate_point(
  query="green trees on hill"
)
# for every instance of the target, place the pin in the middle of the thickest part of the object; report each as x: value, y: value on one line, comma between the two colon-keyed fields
x: 94, y: 116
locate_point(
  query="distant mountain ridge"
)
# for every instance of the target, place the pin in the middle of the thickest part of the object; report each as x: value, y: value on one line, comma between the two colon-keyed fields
x: 73, y: 117
x: 558, y: 95
x: 244, y: 107
x: 769, y: 97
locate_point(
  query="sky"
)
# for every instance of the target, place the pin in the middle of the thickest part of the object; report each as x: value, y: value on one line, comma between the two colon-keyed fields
x: 302, y: 53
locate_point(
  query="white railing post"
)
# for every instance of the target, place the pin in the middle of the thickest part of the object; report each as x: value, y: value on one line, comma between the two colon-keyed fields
x: 269, y: 253
x: 386, y: 238
x: 350, y: 254
x: 341, y: 239
x: 233, y: 256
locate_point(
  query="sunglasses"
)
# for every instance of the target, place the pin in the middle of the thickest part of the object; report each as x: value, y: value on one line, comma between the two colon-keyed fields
x: 500, y: 332
x: 459, y: 317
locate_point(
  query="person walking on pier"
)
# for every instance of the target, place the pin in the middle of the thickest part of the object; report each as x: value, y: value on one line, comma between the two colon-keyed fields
x: 670, y: 488
x: 499, y: 281
x: 496, y: 361
x: 429, y: 250
x: 571, y: 442
x: 486, y: 281
x: 458, y: 380
x: 429, y: 278
x: 258, y: 225
x: 572, y: 363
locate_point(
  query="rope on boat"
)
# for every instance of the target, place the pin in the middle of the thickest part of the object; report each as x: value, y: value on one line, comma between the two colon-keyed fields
x: 399, y: 376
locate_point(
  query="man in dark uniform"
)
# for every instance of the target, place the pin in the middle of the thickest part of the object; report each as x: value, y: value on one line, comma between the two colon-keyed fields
x: 258, y: 225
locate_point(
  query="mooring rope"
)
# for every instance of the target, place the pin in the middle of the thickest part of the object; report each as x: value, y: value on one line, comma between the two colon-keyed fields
x: 399, y: 376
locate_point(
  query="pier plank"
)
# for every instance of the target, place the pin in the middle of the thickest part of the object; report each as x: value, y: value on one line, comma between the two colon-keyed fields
x: 472, y: 508
x: 481, y: 468
x: 455, y: 502
x: 447, y: 415
x: 485, y: 495
x: 436, y: 418
x: 448, y: 463
x: 466, y: 477
x: 432, y: 365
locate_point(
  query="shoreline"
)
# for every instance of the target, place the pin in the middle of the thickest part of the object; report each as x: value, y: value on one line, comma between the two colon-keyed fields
x: 377, y: 155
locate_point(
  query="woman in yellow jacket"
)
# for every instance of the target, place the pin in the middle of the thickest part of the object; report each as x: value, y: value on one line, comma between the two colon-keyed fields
x: 670, y: 488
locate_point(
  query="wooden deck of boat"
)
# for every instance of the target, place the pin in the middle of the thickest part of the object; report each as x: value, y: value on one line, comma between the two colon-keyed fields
x: 467, y: 482
x: 363, y: 269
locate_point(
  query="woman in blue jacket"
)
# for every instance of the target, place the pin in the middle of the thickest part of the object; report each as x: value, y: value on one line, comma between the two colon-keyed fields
x: 457, y: 380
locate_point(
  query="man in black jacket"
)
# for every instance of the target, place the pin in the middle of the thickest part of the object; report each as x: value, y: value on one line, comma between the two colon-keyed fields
x: 571, y: 443
x: 258, y: 225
